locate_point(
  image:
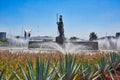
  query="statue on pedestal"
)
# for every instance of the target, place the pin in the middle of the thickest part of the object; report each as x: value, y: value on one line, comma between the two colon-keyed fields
x: 60, y: 27
x: 61, y: 38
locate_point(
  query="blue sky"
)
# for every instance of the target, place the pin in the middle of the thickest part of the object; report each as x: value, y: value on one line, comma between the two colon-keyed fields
x: 80, y: 17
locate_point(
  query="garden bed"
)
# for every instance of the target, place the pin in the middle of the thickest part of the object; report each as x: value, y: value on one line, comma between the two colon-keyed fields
x: 54, y: 66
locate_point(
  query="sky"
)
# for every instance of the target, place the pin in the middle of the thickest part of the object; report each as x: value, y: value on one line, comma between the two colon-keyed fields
x: 80, y: 17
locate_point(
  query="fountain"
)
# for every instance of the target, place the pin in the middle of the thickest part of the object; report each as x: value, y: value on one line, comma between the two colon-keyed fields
x: 35, y: 46
x: 61, y: 44
x: 15, y: 44
x: 109, y: 44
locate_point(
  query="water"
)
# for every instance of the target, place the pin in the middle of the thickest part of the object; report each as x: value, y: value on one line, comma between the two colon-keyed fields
x: 17, y: 42
x: 21, y: 44
x: 106, y: 44
x: 109, y: 44
x: 65, y: 48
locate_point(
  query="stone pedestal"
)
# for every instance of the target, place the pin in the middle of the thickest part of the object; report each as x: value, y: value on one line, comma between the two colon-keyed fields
x: 60, y: 40
x: 89, y: 45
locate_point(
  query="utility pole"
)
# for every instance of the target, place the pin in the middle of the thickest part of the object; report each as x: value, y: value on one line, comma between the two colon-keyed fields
x: 38, y: 30
x: 22, y: 32
x: 106, y: 34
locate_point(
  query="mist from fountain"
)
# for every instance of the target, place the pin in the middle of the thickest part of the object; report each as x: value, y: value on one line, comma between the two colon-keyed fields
x: 68, y: 47
x: 109, y: 44
x: 17, y: 42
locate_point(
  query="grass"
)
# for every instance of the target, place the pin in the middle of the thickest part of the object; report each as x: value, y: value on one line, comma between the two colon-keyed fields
x: 3, y: 41
x: 57, y: 66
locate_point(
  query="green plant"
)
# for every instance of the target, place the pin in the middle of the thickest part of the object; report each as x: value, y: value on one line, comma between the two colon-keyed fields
x: 88, y: 71
x: 3, y: 41
x: 92, y: 36
x: 103, y: 68
x: 114, y: 61
x: 2, y: 75
x: 68, y: 68
x: 43, y: 71
x: 59, y: 66
x: 74, y: 38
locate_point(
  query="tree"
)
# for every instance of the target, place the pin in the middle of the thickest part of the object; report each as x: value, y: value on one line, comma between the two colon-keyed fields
x: 17, y: 37
x: 92, y: 36
x: 74, y: 38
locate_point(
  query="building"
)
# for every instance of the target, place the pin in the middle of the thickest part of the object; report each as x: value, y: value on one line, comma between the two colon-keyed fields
x: 111, y: 37
x: 2, y: 35
x: 107, y: 37
x: 27, y: 34
x: 117, y: 34
x: 42, y: 38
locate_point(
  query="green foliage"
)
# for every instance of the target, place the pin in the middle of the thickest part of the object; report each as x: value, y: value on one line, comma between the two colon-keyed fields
x: 103, y: 67
x: 88, y: 71
x: 73, y: 38
x: 3, y: 41
x: 92, y: 36
x: 67, y: 67
x: 43, y: 71
x: 114, y: 60
x: 2, y: 74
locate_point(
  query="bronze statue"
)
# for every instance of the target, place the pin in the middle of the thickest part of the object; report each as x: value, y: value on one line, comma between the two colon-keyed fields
x: 60, y: 27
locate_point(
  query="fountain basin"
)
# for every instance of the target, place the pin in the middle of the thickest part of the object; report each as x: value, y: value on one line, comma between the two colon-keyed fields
x: 89, y: 45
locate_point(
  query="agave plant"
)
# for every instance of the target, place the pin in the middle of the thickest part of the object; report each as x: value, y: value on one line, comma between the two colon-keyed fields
x: 103, y: 68
x: 42, y: 72
x: 88, y: 71
x: 67, y: 68
x: 2, y: 75
x: 114, y: 61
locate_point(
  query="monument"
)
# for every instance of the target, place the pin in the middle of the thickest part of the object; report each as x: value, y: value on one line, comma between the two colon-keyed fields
x: 61, y: 41
x: 61, y: 38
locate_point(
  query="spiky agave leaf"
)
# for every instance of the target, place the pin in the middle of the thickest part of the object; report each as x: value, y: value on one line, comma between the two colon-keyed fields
x: 37, y: 69
x: 103, y: 67
x: 88, y: 72
x: 2, y: 75
x: 30, y: 70
x: 11, y: 76
x: 29, y: 76
x: 68, y: 67
x: 43, y: 71
x: 52, y: 74
x: 113, y: 59
x: 23, y: 72
x: 118, y: 62
x: 111, y: 75
x: 16, y: 75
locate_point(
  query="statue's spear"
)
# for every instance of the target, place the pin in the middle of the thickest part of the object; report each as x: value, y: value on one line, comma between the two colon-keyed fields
x: 57, y: 23
x: 57, y: 17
